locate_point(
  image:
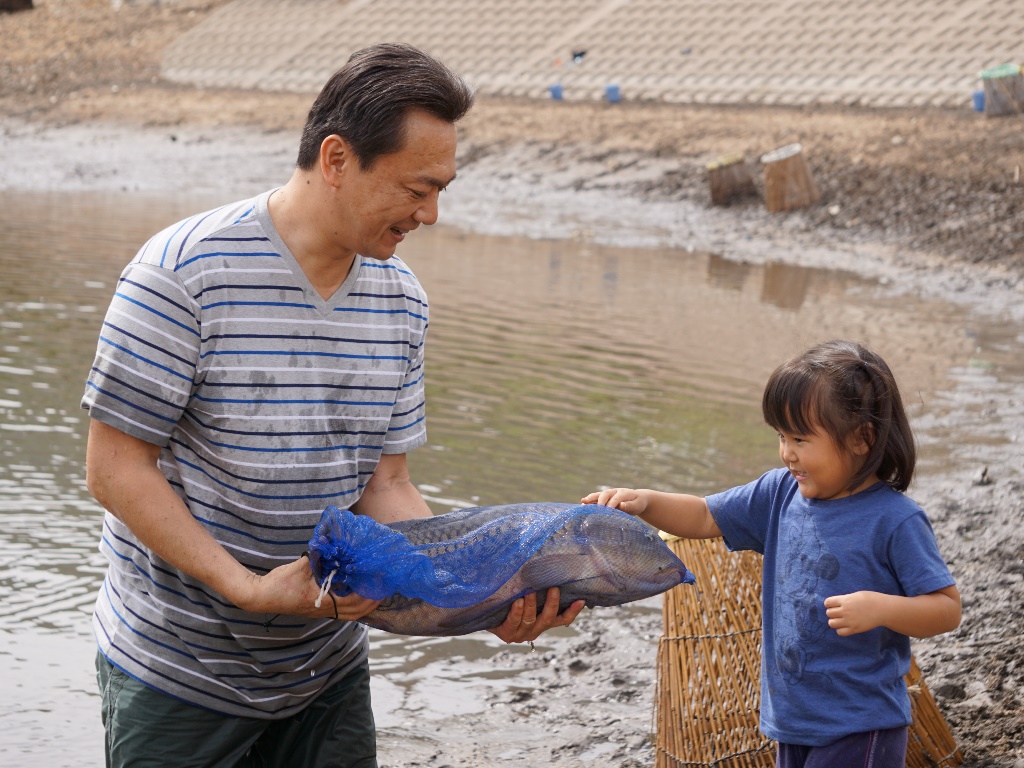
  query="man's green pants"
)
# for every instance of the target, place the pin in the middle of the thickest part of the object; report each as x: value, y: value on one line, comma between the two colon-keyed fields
x: 147, y: 728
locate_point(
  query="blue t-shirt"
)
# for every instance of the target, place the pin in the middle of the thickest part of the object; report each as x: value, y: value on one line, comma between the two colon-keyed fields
x: 816, y: 686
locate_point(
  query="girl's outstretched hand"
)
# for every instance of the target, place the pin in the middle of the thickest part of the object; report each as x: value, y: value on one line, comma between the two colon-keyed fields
x: 628, y: 500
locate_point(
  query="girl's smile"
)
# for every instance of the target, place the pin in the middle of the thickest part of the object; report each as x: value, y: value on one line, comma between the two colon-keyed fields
x: 821, y: 468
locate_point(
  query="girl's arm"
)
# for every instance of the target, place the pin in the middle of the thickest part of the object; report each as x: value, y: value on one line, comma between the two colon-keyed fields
x: 922, y: 616
x: 677, y: 513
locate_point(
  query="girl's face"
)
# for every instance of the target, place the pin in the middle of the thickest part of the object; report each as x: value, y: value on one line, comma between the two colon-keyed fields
x: 823, y: 469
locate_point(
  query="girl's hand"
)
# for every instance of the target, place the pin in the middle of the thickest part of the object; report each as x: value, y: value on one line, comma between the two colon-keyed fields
x: 854, y: 613
x: 627, y: 499
x: 920, y: 616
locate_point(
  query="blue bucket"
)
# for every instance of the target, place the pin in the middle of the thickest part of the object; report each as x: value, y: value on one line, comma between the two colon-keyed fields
x: 612, y: 94
x: 979, y: 101
x: 555, y: 91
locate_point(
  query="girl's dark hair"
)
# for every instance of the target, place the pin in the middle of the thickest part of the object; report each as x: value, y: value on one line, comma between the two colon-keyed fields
x: 366, y: 101
x: 843, y: 388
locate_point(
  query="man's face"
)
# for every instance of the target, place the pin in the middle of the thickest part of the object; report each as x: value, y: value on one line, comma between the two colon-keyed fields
x: 400, y: 191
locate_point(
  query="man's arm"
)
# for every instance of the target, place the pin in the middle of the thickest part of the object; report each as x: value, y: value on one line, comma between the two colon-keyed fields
x: 389, y: 495
x: 122, y: 475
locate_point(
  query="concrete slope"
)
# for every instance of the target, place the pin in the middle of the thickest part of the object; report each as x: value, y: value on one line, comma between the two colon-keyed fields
x: 869, y: 52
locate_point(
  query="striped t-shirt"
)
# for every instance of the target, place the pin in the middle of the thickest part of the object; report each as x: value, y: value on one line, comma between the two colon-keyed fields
x: 270, y: 403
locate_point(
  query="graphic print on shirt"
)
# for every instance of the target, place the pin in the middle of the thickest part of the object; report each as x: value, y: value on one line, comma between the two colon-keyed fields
x: 806, y: 567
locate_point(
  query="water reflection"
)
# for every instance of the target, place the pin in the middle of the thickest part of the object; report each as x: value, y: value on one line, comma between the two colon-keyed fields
x: 785, y: 285
x: 553, y: 367
x: 782, y: 285
x: 723, y: 273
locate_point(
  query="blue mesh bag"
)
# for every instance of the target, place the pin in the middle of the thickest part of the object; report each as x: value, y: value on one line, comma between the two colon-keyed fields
x: 459, y: 572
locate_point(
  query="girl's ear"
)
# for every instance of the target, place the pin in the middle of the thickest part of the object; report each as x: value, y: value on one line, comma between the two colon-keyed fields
x: 861, y: 439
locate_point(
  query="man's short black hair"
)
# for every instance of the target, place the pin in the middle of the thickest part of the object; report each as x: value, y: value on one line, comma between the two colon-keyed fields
x: 366, y: 101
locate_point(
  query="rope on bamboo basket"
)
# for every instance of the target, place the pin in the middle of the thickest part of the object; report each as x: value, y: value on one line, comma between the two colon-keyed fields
x: 717, y: 760
x: 711, y: 637
x: 954, y: 755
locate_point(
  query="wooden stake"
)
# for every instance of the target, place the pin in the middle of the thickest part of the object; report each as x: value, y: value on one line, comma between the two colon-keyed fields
x: 1004, y: 92
x: 729, y: 179
x: 787, y: 179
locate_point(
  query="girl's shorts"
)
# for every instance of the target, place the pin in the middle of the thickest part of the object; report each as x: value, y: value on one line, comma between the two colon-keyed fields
x: 871, y: 749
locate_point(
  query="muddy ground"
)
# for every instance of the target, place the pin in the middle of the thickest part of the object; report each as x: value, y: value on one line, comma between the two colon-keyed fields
x: 930, y: 201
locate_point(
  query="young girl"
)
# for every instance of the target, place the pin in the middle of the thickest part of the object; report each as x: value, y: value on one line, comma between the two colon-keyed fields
x: 851, y: 567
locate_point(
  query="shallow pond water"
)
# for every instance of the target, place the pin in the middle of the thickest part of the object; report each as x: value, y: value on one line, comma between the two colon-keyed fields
x: 554, y: 367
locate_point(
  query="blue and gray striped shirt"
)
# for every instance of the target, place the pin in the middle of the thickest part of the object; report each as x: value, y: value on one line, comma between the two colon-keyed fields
x: 270, y: 403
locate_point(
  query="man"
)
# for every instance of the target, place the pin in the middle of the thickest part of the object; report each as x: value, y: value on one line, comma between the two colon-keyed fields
x: 257, y: 363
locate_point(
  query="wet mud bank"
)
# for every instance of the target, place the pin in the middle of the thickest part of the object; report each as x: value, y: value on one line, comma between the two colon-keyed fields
x: 585, y: 696
x: 924, y: 202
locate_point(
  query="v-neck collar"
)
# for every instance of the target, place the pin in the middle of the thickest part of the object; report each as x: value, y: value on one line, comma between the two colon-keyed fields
x: 324, y: 306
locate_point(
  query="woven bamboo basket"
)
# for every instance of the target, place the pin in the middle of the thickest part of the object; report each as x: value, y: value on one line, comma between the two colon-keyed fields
x: 708, y: 695
x: 930, y: 744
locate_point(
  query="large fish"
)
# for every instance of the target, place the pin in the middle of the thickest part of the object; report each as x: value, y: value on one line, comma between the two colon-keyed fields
x: 459, y: 572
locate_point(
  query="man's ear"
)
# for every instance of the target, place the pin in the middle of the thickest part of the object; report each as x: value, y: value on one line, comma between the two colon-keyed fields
x: 336, y: 159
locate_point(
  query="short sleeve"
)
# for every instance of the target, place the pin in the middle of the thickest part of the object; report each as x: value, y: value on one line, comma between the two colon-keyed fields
x: 743, y: 513
x: 146, y: 357
x: 914, y: 554
x: 408, y: 427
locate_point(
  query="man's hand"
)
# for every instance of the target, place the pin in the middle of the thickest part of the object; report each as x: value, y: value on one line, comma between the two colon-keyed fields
x: 291, y: 590
x: 524, y: 625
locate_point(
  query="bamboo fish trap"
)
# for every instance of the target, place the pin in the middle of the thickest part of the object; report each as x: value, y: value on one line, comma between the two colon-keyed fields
x: 709, y: 665
x: 708, y: 694
x: 930, y: 744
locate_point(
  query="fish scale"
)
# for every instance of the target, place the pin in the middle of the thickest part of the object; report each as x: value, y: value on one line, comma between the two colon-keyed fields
x: 459, y: 572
